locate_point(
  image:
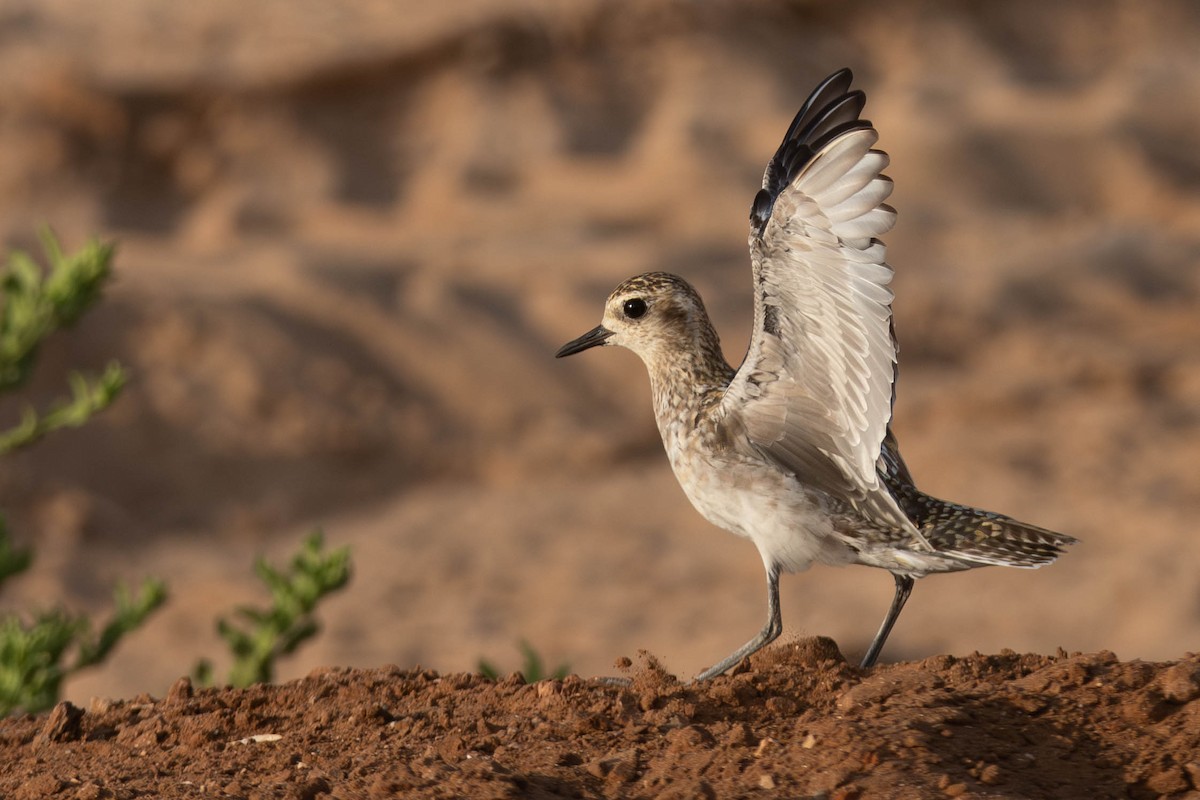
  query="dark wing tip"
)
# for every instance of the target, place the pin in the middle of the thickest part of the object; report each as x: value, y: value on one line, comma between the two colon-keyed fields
x: 830, y: 111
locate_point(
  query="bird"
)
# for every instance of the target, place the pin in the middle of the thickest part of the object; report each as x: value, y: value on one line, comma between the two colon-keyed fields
x: 794, y: 449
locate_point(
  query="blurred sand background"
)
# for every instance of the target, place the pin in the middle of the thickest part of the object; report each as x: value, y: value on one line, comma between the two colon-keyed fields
x: 352, y: 236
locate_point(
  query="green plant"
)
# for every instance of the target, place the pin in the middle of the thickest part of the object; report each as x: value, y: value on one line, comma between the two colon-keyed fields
x: 38, y: 653
x: 34, y: 304
x: 35, y: 657
x: 260, y: 636
x: 533, y: 668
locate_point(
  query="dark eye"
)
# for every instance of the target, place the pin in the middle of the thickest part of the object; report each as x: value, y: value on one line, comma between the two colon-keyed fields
x: 635, y: 308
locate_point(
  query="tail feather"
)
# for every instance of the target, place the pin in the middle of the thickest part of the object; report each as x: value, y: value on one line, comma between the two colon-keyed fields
x: 975, y: 536
x: 978, y: 536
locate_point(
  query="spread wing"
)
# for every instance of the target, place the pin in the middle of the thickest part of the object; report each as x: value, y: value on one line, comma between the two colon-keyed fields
x: 814, y: 393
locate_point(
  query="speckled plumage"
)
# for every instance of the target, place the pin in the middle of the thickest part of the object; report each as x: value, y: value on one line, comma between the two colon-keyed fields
x: 794, y: 449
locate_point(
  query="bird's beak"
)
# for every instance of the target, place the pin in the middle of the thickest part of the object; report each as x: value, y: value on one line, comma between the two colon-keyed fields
x: 596, y: 336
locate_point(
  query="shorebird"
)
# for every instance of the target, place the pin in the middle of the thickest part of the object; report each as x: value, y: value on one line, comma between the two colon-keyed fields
x: 794, y: 449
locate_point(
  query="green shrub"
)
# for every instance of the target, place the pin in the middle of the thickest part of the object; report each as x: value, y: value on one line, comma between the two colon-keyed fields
x: 37, y: 653
x: 258, y: 637
x: 34, y: 303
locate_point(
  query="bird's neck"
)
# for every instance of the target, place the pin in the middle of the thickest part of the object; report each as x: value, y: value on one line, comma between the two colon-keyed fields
x: 684, y: 380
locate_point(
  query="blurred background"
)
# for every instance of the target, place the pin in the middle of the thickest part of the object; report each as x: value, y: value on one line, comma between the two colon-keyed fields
x: 351, y: 237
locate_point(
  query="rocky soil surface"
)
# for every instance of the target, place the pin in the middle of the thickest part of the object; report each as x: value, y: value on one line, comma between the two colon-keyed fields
x: 797, y: 722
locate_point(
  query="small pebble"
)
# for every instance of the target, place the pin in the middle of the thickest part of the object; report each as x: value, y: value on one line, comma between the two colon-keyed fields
x: 763, y: 746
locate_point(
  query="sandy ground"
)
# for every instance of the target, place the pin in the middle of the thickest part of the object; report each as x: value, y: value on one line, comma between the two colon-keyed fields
x: 351, y: 241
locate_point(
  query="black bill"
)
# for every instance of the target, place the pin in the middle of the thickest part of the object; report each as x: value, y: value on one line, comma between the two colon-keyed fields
x: 596, y: 336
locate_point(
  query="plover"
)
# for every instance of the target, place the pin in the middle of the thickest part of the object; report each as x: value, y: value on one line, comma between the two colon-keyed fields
x: 794, y: 449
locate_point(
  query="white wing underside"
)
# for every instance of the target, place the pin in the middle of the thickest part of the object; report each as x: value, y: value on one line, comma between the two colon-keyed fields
x: 814, y: 393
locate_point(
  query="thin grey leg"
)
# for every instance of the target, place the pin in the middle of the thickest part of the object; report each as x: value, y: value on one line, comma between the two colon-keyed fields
x: 904, y: 586
x: 768, y: 634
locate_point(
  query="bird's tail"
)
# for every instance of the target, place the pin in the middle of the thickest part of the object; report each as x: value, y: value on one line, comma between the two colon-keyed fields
x: 981, y: 537
x: 971, y: 535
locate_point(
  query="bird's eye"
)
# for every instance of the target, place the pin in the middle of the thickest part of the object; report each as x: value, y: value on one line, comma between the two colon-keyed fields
x: 635, y: 308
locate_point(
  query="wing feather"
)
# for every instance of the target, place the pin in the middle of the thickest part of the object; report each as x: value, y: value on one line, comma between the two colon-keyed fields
x: 814, y: 392
x: 837, y: 159
x: 867, y: 169
x: 863, y: 200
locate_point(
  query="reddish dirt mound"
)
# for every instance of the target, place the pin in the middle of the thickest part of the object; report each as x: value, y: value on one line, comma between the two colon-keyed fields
x: 798, y: 721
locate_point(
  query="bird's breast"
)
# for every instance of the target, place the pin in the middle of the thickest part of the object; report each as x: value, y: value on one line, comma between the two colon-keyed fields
x: 752, y: 498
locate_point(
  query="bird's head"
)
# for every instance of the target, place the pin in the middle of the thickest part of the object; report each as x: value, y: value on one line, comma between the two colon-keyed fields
x: 657, y: 315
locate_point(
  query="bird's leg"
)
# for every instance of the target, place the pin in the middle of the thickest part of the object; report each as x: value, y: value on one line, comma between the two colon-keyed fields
x: 768, y: 634
x: 904, y: 586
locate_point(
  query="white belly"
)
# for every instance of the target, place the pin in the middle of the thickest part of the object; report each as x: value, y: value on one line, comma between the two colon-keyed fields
x: 767, y: 506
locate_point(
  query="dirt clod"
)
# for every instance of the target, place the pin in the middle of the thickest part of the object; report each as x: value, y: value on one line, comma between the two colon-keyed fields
x: 63, y: 724
x: 1167, y: 781
x: 1181, y: 683
x: 181, y: 691
x: 990, y: 775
